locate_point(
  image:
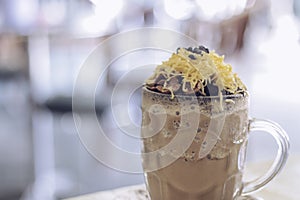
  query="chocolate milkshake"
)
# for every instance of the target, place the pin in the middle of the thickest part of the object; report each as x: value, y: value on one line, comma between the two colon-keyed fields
x: 195, y: 125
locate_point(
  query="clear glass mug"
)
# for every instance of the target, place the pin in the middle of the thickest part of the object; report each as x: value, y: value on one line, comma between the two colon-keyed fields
x: 195, y: 147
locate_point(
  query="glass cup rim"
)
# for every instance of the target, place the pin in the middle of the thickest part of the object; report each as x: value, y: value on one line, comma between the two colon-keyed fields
x: 230, y: 96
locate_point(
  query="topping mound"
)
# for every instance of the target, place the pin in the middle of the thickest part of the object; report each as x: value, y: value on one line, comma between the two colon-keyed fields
x: 195, y: 71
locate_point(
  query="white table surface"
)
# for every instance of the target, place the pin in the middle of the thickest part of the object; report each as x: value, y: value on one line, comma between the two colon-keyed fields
x: 286, y: 186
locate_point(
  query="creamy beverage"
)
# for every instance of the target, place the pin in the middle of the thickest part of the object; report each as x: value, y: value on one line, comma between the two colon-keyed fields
x: 211, y: 166
x: 215, y: 176
x: 195, y: 129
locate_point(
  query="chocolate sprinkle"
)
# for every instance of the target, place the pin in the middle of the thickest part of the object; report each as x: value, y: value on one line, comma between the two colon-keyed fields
x: 191, y: 56
x: 198, y: 50
x: 174, y: 83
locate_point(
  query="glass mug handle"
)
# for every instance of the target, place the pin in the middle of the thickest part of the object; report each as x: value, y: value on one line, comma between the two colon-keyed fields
x: 282, y: 154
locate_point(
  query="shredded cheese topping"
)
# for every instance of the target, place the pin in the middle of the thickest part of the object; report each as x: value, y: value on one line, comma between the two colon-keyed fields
x: 196, y: 72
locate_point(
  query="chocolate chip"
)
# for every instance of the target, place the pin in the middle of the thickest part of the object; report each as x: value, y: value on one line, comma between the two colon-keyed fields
x: 174, y: 83
x: 191, y: 56
x: 211, y: 90
x: 225, y: 92
x: 198, y: 50
x: 203, y: 48
x: 188, y: 88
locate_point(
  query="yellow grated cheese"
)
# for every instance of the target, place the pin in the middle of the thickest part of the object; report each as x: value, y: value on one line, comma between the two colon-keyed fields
x: 204, y: 69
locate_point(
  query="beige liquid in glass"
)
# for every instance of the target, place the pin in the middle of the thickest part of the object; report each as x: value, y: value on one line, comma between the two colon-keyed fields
x: 217, y: 176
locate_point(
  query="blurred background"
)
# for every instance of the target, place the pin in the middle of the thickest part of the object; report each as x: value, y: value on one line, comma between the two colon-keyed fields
x: 43, y: 43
